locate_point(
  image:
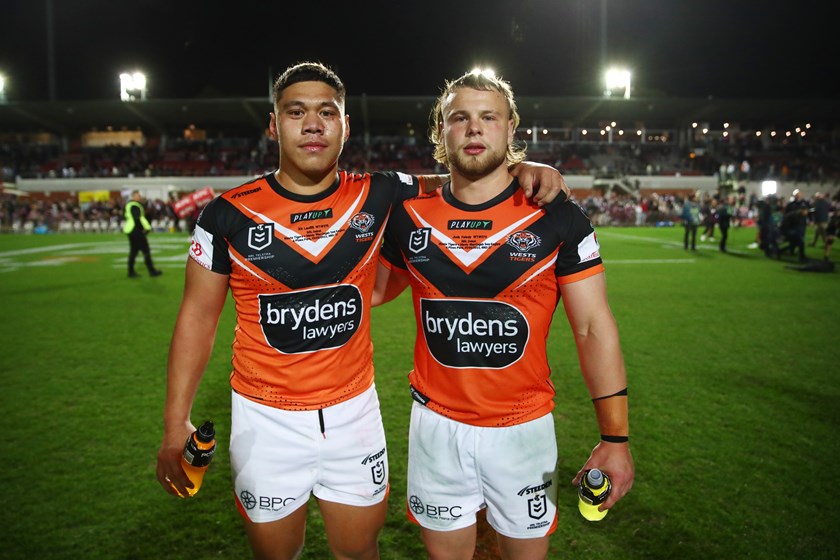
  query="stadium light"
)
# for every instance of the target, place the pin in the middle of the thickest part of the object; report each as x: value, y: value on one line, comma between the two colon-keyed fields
x: 486, y: 72
x: 617, y: 78
x: 2, y: 88
x: 768, y: 188
x: 133, y: 86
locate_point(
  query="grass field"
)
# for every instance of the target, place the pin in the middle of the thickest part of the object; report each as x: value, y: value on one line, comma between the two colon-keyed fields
x: 733, y: 361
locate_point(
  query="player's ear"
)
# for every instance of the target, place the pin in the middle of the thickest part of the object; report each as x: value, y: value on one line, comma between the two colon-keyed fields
x: 346, y: 127
x: 272, y: 126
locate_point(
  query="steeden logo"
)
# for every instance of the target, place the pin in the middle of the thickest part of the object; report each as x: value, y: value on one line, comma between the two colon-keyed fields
x: 246, y: 193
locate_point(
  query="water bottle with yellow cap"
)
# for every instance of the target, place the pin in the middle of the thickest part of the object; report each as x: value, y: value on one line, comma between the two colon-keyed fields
x: 593, y: 491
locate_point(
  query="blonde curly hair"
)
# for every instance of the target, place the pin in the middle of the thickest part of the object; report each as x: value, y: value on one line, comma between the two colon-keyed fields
x: 484, y: 81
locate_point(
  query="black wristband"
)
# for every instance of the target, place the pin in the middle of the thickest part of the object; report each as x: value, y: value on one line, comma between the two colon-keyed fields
x: 615, y: 439
x: 622, y: 393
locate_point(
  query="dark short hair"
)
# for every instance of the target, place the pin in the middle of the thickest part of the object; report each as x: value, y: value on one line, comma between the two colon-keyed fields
x: 308, y: 72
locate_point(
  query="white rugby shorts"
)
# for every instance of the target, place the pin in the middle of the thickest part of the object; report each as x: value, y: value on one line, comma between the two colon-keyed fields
x: 278, y: 457
x: 455, y: 469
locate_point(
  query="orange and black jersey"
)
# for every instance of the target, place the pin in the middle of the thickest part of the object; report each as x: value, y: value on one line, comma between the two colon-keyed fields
x: 302, y: 270
x: 485, y: 284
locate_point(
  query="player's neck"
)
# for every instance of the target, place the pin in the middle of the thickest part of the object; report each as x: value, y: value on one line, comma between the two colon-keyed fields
x: 478, y: 190
x: 299, y: 182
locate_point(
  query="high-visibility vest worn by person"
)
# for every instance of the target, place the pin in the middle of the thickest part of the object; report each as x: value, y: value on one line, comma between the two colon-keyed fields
x: 129, y: 225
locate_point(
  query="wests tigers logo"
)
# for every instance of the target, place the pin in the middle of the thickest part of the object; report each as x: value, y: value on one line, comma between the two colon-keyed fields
x: 523, y: 240
x: 362, y: 221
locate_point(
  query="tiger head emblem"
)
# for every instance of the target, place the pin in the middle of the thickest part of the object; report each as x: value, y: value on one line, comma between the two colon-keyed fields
x: 523, y: 240
x: 362, y: 221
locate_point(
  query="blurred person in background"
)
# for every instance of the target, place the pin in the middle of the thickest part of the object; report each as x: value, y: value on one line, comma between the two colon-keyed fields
x: 137, y: 227
x: 794, y: 223
x: 819, y: 215
x: 691, y: 220
x: 723, y: 215
x: 831, y: 230
x: 707, y: 217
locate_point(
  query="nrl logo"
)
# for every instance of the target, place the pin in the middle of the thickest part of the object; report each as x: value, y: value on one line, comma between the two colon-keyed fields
x: 377, y: 472
x: 523, y: 240
x: 362, y: 221
x: 260, y: 236
x: 419, y: 240
x: 537, y: 506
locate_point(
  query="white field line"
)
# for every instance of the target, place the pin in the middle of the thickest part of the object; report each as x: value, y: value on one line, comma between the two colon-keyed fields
x: 667, y: 244
x: 609, y: 262
x: 56, y: 255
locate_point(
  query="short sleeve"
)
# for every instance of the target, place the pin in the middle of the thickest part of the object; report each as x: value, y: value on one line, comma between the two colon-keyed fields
x: 402, y: 185
x: 579, y: 256
x: 391, y: 253
x: 209, y: 246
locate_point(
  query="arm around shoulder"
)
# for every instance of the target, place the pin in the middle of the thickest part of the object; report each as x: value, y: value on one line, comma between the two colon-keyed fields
x: 390, y: 282
x: 542, y: 181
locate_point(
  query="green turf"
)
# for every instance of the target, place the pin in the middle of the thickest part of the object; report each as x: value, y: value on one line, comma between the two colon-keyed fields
x: 732, y: 361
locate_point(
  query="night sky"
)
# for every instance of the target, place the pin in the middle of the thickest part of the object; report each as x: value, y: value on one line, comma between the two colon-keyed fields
x: 675, y: 48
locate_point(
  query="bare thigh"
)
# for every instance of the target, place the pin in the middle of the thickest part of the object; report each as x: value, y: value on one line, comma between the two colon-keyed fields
x: 352, y: 531
x: 278, y: 540
x: 450, y: 545
x: 523, y: 549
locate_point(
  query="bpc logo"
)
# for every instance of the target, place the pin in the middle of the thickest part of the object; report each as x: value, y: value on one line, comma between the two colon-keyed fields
x: 416, y: 505
x: 260, y: 236
x: 249, y: 501
x: 523, y: 240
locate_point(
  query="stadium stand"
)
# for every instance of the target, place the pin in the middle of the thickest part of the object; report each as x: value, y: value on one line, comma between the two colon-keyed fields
x: 50, y: 157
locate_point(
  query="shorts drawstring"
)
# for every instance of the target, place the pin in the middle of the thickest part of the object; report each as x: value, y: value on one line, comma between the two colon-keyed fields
x: 321, y: 422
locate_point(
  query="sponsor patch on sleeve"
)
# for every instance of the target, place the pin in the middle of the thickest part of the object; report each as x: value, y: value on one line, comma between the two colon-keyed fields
x: 405, y: 178
x: 201, y: 249
x: 588, y: 249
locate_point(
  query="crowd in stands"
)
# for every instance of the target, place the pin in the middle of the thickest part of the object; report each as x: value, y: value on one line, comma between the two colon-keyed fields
x: 20, y: 215
x: 239, y: 156
x: 604, y: 208
x: 746, y: 159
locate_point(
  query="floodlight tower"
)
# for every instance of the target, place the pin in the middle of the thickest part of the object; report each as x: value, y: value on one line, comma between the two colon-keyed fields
x: 617, y: 78
x: 603, y: 33
x: 133, y: 86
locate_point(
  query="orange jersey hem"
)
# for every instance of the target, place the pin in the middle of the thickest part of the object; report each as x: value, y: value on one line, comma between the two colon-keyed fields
x: 578, y: 276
